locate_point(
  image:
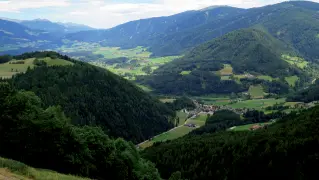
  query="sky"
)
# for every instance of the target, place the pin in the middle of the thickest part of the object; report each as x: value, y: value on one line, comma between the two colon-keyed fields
x: 109, y: 13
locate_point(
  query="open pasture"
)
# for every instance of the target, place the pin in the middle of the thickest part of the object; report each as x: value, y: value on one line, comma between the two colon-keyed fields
x: 256, y: 92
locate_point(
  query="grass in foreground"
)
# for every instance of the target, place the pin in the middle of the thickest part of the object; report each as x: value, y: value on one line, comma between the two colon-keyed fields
x: 10, y: 169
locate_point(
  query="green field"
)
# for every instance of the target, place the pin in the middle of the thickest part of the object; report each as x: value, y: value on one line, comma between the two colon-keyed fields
x: 246, y: 127
x: 165, y: 100
x: 115, y: 52
x: 198, y: 121
x: 185, y: 72
x: 292, y: 80
x: 257, y: 103
x: 226, y: 71
x: 256, y: 92
x: 182, y: 117
x: 212, y: 100
x: 56, y: 62
x: 13, y: 170
x: 297, y: 61
x: 224, y: 78
x: 176, y: 132
x: 7, y: 70
x: 263, y: 77
x: 317, y: 36
x: 139, y: 58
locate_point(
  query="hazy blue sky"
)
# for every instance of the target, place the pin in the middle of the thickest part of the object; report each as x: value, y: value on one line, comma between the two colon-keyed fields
x: 108, y: 13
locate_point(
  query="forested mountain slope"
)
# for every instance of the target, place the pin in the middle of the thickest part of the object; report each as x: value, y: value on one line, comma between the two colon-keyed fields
x: 287, y: 149
x: 295, y: 23
x: 93, y: 96
x: 13, y: 33
x: 44, y: 138
x: 59, y: 29
x: 306, y: 95
x: 247, y: 51
x: 145, y: 31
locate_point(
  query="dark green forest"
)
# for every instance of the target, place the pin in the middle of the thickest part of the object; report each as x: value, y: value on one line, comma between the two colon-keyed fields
x: 45, y: 138
x: 247, y: 50
x: 287, y: 149
x: 225, y: 119
x: 306, y: 95
x: 94, y: 96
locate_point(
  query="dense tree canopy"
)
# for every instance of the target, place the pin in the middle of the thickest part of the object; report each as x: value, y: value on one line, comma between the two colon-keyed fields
x: 247, y: 51
x: 44, y: 138
x: 287, y: 149
x: 94, y: 96
x: 305, y: 95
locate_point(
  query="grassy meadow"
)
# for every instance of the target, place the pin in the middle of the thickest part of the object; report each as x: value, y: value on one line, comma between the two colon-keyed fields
x: 246, y: 127
x: 293, y: 60
x: 14, y: 170
x: 7, y: 70
x: 292, y: 80
x: 256, y: 92
x: 177, y: 132
x: 258, y: 104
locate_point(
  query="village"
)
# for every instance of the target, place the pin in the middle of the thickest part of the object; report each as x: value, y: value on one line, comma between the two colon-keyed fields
x: 202, y: 109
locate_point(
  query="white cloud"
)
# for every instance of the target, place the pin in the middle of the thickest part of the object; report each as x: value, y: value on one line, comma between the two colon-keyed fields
x: 17, y: 5
x: 78, y: 13
x: 105, y: 14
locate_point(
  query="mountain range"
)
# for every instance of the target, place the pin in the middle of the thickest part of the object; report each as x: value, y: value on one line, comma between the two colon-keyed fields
x: 278, y: 41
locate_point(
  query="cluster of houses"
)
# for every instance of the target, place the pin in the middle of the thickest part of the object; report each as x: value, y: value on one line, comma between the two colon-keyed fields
x: 258, y: 126
x: 211, y: 109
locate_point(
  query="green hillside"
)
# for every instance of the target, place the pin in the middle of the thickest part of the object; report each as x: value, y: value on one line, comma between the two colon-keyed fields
x: 10, y: 169
x: 287, y: 148
x: 251, y: 51
x: 16, y: 66
x: 43, y: 137
x: 94, y: 96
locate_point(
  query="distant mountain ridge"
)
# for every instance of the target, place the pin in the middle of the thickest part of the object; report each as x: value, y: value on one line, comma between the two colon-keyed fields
x: 53, y: 27
x: 146, y: 31
x: 178, y: 33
